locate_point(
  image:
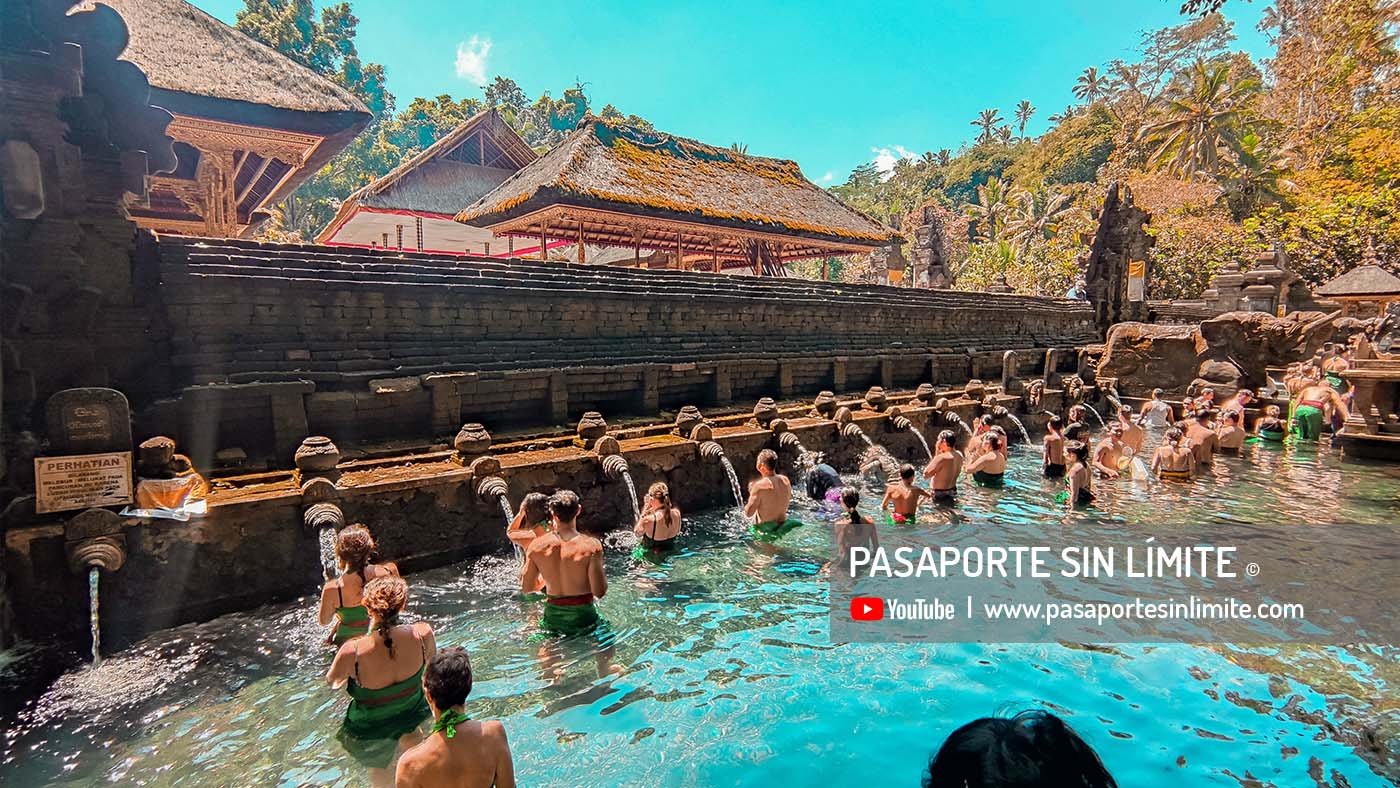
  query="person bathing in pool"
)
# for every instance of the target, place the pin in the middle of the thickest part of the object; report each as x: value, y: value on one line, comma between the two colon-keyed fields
x: 1080, y: 477
x: 988, y: 469
x: 383, y: 673
x: 1174, y: 460
x: 1054, y: 454
x: 1110, y: 452
x: 853, y: 529
x: 459, y: 752
x: 571, y: 566
x: 1229, y: 434
x: 769, y: 496
x: 942, y: 471
x: 903, y: 495
x: 660, y: 523
x: 530, y: 523
x: 341, y: 598
x: 1270, y: 427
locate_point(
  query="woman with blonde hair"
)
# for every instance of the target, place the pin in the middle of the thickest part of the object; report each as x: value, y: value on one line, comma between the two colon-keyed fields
x: 383, y: 673
x: 341, y: 598
x: 660, y: 522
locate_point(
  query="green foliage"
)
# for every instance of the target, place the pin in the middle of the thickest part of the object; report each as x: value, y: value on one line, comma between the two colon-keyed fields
x: 1325, y: 237
x: 1072, y: 152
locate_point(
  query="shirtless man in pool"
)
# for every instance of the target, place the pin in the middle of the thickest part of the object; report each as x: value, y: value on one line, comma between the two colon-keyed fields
x: 769, y: 496
x: 942, y: 471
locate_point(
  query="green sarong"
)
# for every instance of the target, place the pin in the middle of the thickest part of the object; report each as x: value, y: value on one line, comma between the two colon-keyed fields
x: 768, y: 532
x: 569, y: 620
x: 377, y: 718
x: 1272, y: 436
x: 1307, y: 422
x: 353, y: 622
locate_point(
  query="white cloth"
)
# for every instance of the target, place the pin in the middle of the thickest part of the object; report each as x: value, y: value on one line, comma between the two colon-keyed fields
x: 1158, y: 414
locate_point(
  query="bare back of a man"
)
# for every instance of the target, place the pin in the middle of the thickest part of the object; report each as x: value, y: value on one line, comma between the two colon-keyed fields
x: 570, y: 566
x: 474, y: 757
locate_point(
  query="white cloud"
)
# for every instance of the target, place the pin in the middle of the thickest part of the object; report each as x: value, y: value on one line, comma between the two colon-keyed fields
x: 885, y: 158
x: 471, y: 59
x: 828, y: 177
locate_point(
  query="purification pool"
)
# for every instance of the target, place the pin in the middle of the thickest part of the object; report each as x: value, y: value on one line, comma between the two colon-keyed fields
x: 730, y: 679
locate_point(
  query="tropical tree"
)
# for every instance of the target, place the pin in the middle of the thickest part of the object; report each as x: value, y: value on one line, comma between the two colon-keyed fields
x: 1004, y: 135
x: 990, y: 210
x: 1036, y: 215
x: 741, y: 148
x: 987, y: 121
x: 1200, y: 127
x: 1091, y: 86
x: 1259, y: 177
x: 1024, y: 111
x: 1063, y: 115
x: 945, y: 157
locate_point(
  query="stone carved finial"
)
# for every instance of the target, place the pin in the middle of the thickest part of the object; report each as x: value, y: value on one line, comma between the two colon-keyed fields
x: 591, y: 427
x: 317, y: 454
x: 472, y: 441
x: 687, y: 420
x: 764, y: 411
x: 923, y: 396
x: 975, y: 389
x: 875, y: 399
x: 824, y: 405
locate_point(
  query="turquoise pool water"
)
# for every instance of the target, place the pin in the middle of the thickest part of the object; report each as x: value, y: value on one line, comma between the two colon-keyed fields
x: 730, y: 678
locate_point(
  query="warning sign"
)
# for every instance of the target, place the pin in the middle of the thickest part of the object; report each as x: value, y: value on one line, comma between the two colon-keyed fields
x: 81, y: 481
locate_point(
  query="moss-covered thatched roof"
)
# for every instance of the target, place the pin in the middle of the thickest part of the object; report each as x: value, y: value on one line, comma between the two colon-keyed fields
x: 611, y: 166
x: 1360, y: 282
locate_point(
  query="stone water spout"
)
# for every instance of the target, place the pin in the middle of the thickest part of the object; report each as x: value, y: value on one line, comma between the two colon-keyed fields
x: 95, y: 543
x: 898, y: 421
x: 325, y: 518
x: 853, y: 431
x: 710, y: 450
x: 491, y: 489
x: 615, y: 467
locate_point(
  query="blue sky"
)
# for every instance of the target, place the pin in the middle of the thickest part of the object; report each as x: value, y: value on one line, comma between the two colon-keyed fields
x: 830, y: 84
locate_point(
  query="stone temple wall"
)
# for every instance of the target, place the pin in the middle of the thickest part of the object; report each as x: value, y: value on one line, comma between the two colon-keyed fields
x: 270, y: 342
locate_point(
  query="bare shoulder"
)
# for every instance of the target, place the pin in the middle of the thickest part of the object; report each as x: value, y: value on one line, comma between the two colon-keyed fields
x: 544, y: 542
x: 411, y: 765
x: 493, y: 729
x: 762, y: 483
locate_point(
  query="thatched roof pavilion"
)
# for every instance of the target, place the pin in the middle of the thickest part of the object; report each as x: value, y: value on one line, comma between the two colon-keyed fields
x: 1364, y: 284
x: 250, y: 124
x: 412, y: 206
x: 609, y: 184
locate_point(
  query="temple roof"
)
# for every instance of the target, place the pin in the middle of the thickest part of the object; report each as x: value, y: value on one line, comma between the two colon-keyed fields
x: 1362, y: 281
x: 613, y: 167
x: 184, y: 50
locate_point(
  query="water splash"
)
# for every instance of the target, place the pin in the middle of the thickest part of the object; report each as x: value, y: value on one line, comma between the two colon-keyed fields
x: 733, y: 480
x: 1026, y: 436
x: 510, y: 518
x: 1117, y: 403
x: 94, y: 604
x: 923, y: 442
x: 1090, y: 408
x: 878, y: 453
x: 632, y: 491
x: 328, y: 563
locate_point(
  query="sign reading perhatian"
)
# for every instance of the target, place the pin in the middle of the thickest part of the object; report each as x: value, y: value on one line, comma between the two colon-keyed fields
x: 81, y: 481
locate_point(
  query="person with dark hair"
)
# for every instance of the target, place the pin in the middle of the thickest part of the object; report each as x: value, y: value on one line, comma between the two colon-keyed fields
x: 1174, y: 461
x: 1080, y: 476
x: 459, y: 752
x: 1109, y: 457
x: 1270, y: 427
x: 1033, y: 749
x: 769, y: 497
x: 824, y: 484
x: 903, y: 495
x: 942, y: 471
x: 660, y: 523
x: 1229, y: 433
x: 531, y: 521
x: 1053, y: 456
x: 1133, y: 433
x: 571, y: 566
x: 853, y: 529
x: 988, y: 469
x: 383, y: 673
x: 341, y: 597
x: 1201, y: 437
x: 1156, y: 412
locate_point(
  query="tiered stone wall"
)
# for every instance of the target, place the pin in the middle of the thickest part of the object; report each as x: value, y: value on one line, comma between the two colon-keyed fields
x: 272, y: 341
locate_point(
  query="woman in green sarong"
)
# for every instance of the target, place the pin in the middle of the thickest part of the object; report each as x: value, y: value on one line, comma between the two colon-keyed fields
x: 383, y: 674
x: 340, y: 598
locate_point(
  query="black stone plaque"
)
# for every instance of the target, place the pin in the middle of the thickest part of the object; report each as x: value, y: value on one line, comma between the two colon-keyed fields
x: 88, y: 421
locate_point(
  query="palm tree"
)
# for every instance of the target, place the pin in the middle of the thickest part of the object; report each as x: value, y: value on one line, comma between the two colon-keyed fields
x: 945, y: 157
x: 1259, y: 177
x: 1090, y: 86
x: 1036, y: 215
x: 742, y: 148
x: 1024, y: 111
x: 987, y: 121
x: 1004, y: 135
x: 1202, y: 124
x: 989, y: 212
x: 1063, y: 115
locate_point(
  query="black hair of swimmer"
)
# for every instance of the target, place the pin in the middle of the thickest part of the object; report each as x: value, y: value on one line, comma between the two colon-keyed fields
x: 987, y: 420
x: 1079, y: 450
x: 1033, y: 749
x: 535, y: 506
x: 565, y: 505
x: 850, y: 499
x: 822, y: 478
x: 948, y: 438
x: 1175, y: 435
x: 993, y: 441
x: 1055, y: 423
x: 448, y: 678
x: 906, y: 472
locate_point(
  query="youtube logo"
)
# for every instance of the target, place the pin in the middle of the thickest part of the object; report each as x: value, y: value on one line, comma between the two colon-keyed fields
x: 867, y: 608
